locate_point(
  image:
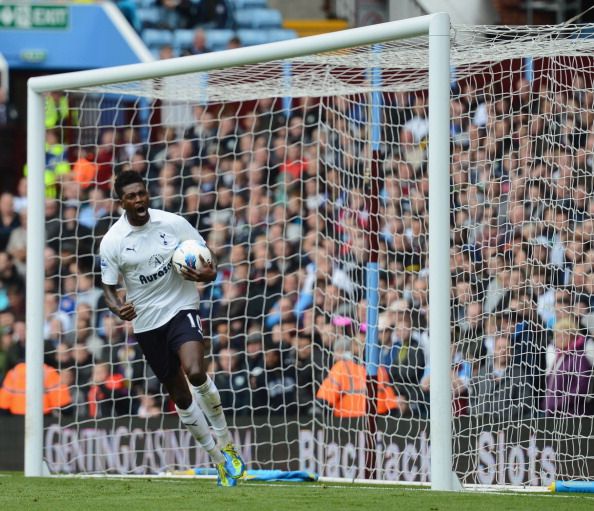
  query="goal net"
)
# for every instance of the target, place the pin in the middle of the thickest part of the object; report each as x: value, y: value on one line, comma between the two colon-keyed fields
x: 279, y: 166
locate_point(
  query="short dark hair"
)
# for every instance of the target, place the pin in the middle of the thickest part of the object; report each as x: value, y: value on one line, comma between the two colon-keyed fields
x: 125, y: 178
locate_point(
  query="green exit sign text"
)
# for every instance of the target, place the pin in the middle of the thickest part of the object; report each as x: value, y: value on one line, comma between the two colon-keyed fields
x: 33, y: 16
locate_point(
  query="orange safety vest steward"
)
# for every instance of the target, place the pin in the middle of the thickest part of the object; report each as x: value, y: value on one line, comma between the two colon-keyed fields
x: 13, y: 391
x: 345, y: 390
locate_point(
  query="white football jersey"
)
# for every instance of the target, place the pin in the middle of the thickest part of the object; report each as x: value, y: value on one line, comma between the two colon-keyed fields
x: 142, y: 255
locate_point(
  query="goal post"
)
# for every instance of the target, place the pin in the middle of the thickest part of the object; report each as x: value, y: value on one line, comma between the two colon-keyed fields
x: 442, y: 475
x: 35, y: 278
x: 437, y: 28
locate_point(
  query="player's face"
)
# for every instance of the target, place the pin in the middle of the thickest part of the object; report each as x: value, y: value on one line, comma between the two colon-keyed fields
x: 135, y: 201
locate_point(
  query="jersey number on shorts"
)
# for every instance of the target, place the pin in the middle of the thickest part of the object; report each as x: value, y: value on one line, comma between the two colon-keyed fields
x: 196, y: 323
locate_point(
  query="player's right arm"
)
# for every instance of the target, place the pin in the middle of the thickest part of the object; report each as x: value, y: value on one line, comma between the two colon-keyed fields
x: 109, y: 277
x: 124, y: 310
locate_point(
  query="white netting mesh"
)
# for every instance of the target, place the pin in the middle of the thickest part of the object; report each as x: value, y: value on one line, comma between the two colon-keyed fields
x: 279, y: 191
x: 404, y: 65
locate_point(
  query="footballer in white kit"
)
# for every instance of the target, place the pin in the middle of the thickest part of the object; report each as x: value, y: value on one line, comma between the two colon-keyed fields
x: 143, y: 256
x: 163, y: 306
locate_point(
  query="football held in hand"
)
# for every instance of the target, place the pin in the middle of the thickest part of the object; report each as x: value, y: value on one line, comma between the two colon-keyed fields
x: 192, y: 254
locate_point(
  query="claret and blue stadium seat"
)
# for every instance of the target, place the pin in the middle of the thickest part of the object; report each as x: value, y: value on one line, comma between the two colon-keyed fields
x: 258, y: 18
x: 219, y: 39
x: 249, y: 4
x: 216, y: 39
x: 156, y: 38
x: 280, y: 34
x: 182, y: 39
x: 149, y: 16
x: 250, y: 37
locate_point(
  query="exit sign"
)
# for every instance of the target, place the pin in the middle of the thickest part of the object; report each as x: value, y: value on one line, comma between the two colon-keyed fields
x: 33, y: 16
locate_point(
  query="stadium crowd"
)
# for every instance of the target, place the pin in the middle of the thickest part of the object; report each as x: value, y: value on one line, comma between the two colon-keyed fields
x: 281, y: 199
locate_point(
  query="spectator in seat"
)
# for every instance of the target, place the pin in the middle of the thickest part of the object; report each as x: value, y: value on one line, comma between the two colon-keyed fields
x: 57, y: 323
x: 106, y: 158
x: 283, y: 310
x: 254, y: 355
x: 309, y: 361
x: 497, y: 392
x: 273, y: 385
x: 124, y: 356
x: 20, y: 199
x: 210, y: 13
x: 199, y: 43
x: 295, y: 163
x: 498, y: 273
x: 232, y: 305
x: 108, y: 395
x: 87, y: 291
x: 84, y: 170
x: 68, y: 228
x: 82, y: 367
x: 166, y: 52
x: 12, y: 345
x: 95, y: 209
x: 529, y: 344
x: 6, y: 340
x: 83, y: 331
x: 569, y: 372
x: 17, y: 243
x: 57, y: 167
x: 58, y: 111
x: 544, y: 294
x: 63, y: 360
x: 407, y: 369
x: 419, y: 301
x: 9, y: 220
x: 418, y: 124
x: 8, y: 274
x: 8, y: 113
x: 233, y: 382
x: 149, y: 406
x: 15, y: 293
x: 213, y: 13
x: 52, y: 217
x: 234, y: 42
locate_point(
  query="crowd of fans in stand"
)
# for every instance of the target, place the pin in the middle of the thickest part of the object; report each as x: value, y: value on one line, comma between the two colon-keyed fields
x: 280, y: 197
x: 184, y: 14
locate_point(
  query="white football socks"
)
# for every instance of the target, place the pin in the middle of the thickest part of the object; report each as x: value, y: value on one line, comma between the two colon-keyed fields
x: 194, y: 420
x: 209, y: 400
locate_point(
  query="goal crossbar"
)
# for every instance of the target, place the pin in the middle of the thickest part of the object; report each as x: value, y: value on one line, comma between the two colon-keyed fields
x: 262, y: 53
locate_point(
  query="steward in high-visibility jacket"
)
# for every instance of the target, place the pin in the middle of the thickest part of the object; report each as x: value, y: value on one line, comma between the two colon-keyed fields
x: 13, y: 392
x: 345, y: 389
x: 58, y: 111
x: 56, y: 164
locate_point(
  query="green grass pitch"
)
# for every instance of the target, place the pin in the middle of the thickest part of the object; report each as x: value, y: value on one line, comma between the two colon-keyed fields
x: 63, y: 494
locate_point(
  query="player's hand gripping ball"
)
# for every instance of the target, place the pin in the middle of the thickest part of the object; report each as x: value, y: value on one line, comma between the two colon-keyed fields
x: 188, y: 253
